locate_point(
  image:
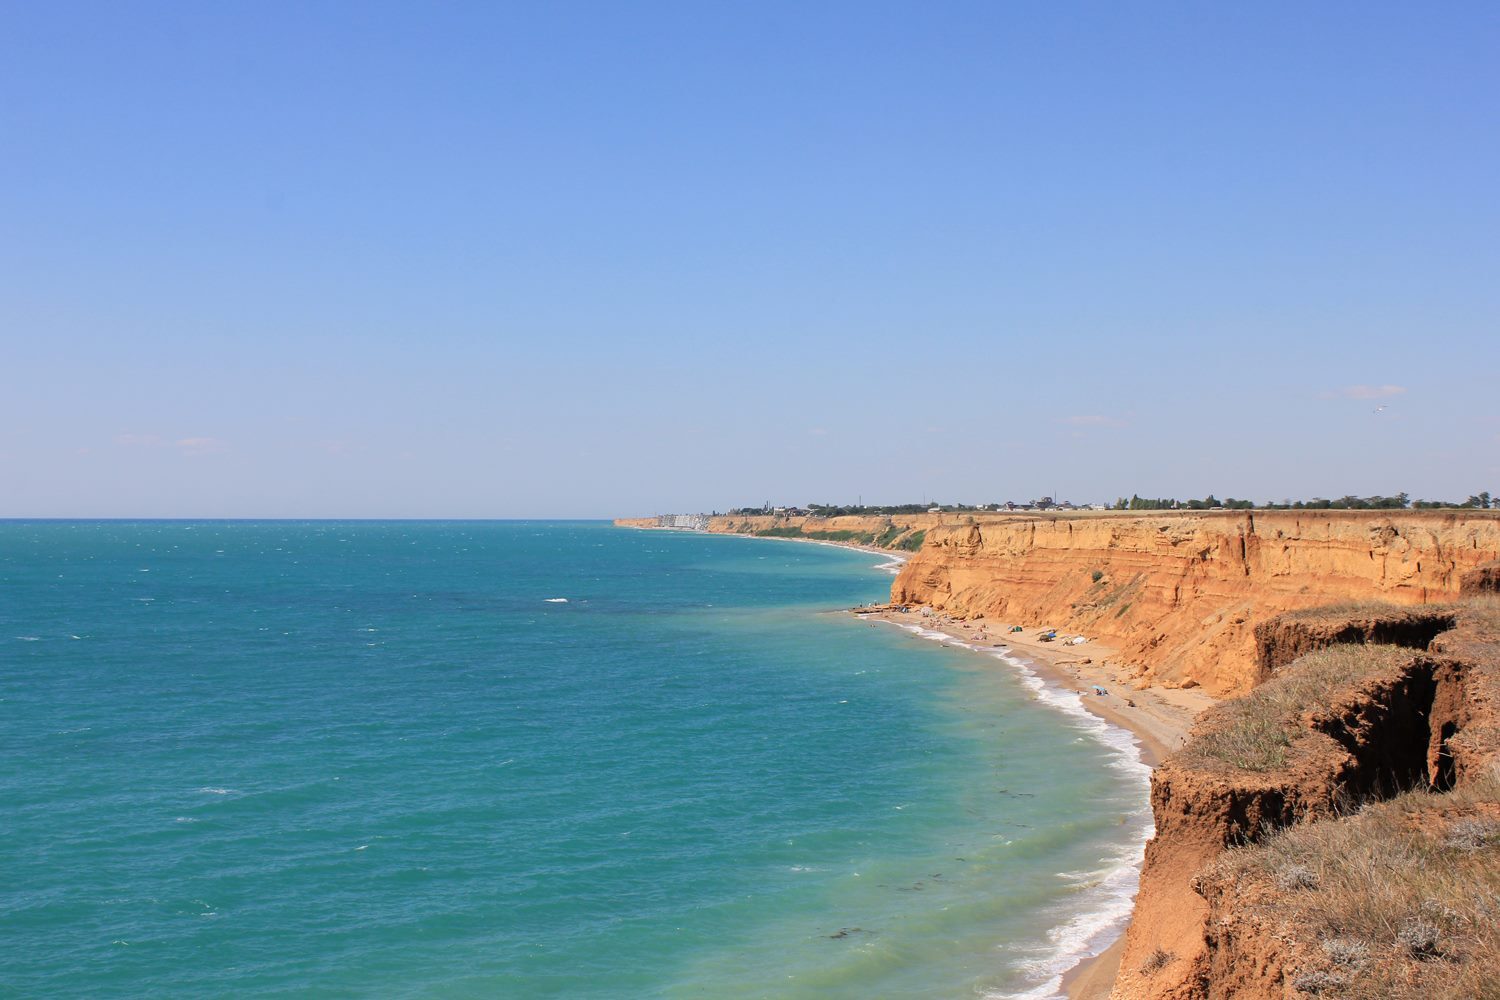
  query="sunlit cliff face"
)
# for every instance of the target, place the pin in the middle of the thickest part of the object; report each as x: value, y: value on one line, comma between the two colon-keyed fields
x: 1179, y: 595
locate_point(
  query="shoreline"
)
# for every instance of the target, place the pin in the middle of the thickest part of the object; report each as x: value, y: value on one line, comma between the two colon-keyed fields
x: 1156, y: 719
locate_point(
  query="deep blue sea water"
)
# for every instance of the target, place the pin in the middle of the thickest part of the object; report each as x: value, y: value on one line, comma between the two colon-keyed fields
x: 384, y: 760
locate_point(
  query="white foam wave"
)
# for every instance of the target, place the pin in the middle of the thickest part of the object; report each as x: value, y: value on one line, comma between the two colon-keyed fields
x: 216, y: 791
x: 557, y: 600
x: 1106, y: 897
x: 1105, y: 911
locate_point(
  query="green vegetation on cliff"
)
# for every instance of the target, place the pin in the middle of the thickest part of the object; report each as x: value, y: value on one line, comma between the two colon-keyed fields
x: 796, y: 531
x: 913, y: 541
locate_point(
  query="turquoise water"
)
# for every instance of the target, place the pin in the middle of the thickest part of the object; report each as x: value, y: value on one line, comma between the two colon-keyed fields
x: 381, y: 759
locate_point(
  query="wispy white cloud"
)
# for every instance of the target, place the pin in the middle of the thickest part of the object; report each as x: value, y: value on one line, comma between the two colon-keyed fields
x: 199, y: 446
x: 1365, y: 392
x: 184, y: 446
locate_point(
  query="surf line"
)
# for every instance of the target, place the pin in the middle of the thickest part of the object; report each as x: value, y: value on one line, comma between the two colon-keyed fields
x: 1106, y: 907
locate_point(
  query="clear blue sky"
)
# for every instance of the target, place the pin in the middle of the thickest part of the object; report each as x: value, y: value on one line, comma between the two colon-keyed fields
x: 373, y: 259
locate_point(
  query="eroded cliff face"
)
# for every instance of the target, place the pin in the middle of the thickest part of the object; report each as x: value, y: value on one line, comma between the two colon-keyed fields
x: 1311, y: 877
x: 1179, y: 594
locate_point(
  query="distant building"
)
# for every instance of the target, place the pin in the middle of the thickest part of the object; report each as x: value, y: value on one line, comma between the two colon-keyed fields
x: 683, y: 522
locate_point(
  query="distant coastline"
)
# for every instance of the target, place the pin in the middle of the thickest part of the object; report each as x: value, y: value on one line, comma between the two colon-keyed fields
x: 894, y: 559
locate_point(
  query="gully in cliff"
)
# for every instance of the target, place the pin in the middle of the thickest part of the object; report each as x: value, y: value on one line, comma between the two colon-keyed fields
x: 1336, y: 832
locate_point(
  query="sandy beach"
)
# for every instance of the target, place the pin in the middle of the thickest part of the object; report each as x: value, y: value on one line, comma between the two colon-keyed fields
x: 1158, y: 718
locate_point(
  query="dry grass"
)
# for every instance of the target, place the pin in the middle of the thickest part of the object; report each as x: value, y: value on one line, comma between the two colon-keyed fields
x: 1483, y: 602
x: 1348, y: 609
x: 1403, y: 901
x: 1294, y: 877
x: 1255, y: 732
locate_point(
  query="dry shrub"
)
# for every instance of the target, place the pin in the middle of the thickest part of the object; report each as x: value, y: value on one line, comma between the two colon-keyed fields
x: 1347, y: 951
x: 1473, y: 833
x: 1294, y: 877
x: 1420, y: 938
x: 1156, y: 961
x: 1254, y: 732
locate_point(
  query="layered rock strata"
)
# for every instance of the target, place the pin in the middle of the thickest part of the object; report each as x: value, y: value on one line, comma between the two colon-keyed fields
x: 1179, y: 594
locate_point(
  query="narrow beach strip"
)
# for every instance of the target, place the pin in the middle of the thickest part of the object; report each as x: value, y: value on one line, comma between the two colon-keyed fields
x: 1140, y: 728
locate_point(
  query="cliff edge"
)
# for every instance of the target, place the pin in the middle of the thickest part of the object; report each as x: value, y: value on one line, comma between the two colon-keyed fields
x: 1179, y: 594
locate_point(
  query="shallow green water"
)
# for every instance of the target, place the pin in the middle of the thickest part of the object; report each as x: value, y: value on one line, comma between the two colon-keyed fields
x: 382, y: 759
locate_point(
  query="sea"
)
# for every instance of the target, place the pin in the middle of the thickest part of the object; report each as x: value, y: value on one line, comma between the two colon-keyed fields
x: 522, y: 759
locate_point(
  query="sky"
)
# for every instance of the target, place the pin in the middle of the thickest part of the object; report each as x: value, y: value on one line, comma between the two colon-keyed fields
x: 504, y: 260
